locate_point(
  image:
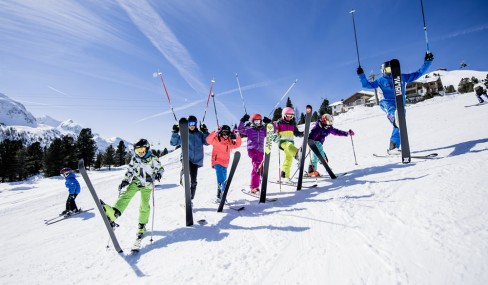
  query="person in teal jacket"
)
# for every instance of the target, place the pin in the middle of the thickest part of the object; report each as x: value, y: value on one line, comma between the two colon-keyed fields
x: 388, y: 103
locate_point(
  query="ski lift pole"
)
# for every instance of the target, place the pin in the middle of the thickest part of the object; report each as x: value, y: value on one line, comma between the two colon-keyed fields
x: 287, y: 91
x: 242, y: 98
x: 355, y: 37
x: 167, y: 95
x: 425, y: 27
x: 215, y: 109
x: 208, y: 99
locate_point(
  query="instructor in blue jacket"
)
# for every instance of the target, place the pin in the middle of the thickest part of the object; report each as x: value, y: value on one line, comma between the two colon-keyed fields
x: 388, y: 103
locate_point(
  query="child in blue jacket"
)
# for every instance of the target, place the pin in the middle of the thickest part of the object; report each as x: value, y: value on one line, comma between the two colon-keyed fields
x: 73, y: 188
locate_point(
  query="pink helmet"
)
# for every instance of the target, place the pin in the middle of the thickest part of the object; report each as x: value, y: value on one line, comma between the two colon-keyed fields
x: 287, y: 111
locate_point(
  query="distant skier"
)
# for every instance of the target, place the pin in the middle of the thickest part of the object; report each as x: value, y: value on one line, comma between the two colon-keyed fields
x: 196, y: 141
x: 256, y: 134
x: 323, y: 128
x: 388, y: 103
x: 143, y: 170
x: 286, y: 130
x: 223, y: 141
x: 480, y: 89
x: 73, y: 188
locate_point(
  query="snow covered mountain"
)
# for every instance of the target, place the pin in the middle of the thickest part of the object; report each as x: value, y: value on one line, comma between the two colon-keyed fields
x: 14, y: 113
x: 17, y: 123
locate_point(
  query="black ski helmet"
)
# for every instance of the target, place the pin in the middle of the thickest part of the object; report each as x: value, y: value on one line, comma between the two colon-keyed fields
x: 192, y: 119
x: 142, y: 143
x: 225, y: 129
x: 385, y: 67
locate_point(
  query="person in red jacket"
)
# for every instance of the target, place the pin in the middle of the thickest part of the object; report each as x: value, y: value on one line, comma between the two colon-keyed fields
x: 223, y: 141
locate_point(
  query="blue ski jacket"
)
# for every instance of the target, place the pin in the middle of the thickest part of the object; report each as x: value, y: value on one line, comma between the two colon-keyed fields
x: 72, y: 184
x: 385, y: 82
x: 196, y: 141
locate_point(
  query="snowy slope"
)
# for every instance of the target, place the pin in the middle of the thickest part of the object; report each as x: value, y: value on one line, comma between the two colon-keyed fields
x: 384, y: 223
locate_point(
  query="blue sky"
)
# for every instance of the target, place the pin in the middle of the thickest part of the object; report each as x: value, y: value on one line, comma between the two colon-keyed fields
x: 93, y: 61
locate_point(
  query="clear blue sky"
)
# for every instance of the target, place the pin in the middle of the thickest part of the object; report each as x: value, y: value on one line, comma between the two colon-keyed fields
x: 93, y: 61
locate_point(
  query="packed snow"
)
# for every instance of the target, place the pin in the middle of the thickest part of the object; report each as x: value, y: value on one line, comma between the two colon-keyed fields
x: 383, y: 223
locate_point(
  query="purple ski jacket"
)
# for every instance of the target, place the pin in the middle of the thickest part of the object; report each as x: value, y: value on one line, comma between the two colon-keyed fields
x: 318, y: 133
x: 255, y: 136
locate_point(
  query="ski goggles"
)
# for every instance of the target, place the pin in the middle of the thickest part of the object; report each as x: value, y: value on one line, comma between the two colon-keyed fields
x: 65, y: 174
x: 140, y: 151
x: 257, y: 122
x: 192, y: 124
x: 290, y: 116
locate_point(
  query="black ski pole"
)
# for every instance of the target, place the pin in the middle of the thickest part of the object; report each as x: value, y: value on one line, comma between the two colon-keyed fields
x: 353, y: 151
x: 208, y: 99
x: 242, y: 98
x: 425, y: 27
x: 215, y: 109
x: 166, y: 91
x: 355, y: 37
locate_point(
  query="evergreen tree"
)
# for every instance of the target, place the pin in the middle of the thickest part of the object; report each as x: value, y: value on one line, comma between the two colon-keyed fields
x: 54, y: 158
x: 324, y: 108
x: 86, y: 146
x: 109, y: 157
x: 21, y: 155
x: 302, y: 119
x: 70, y: 152
x: 120, y: 154
x: 98, y: 161
x: 165, y: 152
x: 33, y: 162
x: 315, y: 116
x: 10, y: 159
x: 465, y: 86
x: 288, y: 103
x: 277, y: 114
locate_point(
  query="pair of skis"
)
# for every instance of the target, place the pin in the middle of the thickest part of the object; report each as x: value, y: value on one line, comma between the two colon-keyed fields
x: 64, y: 217
x: 183, y: 123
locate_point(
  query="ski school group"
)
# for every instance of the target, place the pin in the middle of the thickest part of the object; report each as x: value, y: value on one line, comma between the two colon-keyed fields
x: 145, y: 168
x: 191, y: 137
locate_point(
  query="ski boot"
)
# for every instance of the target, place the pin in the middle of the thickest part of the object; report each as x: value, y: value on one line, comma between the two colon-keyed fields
x: 111, y: 213
x: 255, y: 190
x: 141, y: 230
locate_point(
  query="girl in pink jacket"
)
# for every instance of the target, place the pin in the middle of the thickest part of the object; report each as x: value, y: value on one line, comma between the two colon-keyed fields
x: 223, y: 141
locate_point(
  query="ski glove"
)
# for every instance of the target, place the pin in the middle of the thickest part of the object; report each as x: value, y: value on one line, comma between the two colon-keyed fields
x: 123, y: 184
x: 245, y: 118
x: 157, y: 176
x: 360, y: 70
x: 351, y: 132
x: 266, y: 120
x: 203, y: 128
x: 176, y: 128
x: 429, y: 56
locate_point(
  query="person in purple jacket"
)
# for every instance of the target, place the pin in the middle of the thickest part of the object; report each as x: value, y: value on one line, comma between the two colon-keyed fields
x: 256, y: 133
x: 322, y: 128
